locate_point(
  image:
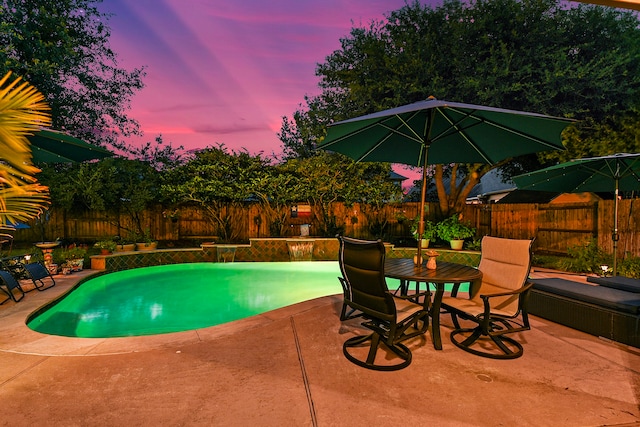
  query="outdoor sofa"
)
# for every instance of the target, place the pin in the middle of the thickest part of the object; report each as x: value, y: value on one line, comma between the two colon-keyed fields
x: 607, y: 309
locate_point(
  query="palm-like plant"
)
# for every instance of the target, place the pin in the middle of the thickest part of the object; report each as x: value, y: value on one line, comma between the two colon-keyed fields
x: 23, y: 110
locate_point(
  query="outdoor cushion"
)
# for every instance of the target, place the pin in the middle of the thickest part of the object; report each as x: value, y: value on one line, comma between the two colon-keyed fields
x: 600, y: 295
x: 617, y: 282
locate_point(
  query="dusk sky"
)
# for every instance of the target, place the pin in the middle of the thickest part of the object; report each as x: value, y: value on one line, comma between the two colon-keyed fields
x: 225, y: 71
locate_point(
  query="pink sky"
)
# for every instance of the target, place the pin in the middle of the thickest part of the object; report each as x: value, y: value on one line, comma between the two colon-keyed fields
x: 227, y: 71
x: 223, y: 71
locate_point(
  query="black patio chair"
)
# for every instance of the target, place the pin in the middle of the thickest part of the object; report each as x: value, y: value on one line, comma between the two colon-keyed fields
x: 498, y: 305
x: 392, y: 319
x: 39, y: 275
x: 9, y: 285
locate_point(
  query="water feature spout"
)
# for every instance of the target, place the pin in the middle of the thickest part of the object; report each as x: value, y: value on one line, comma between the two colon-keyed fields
x: 300, y: 250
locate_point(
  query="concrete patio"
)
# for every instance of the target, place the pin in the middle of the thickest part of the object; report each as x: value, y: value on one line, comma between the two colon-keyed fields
x: 286, y: 368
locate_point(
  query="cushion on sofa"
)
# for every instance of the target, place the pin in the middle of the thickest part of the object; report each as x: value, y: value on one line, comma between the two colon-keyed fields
x: 614, y: 299
x: 617, y: 282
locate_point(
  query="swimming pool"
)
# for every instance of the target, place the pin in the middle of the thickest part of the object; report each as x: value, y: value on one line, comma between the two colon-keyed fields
x: 180, y: 297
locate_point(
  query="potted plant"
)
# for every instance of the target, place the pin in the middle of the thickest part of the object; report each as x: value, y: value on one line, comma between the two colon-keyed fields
x: 145, y: 242
x: 428, y: 234
x: 125, y: 244
x: 455, y: 231
x: 106, y: 246
x: 74, y: 258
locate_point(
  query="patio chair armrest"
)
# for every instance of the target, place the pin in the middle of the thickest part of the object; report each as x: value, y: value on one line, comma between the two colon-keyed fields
x: 505, y: 294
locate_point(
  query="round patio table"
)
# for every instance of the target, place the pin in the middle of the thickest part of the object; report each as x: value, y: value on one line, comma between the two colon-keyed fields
x: 446, y: 272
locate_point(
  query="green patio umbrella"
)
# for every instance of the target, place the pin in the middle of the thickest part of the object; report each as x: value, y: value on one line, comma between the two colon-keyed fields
x: 437, y: 132
x: 49, y: 146
x: 614, y: 173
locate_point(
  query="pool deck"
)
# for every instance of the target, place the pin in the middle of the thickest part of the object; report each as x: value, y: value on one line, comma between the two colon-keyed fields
x: 286, y: 368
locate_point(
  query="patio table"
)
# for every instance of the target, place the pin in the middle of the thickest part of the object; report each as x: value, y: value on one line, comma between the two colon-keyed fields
x: 446, y: 272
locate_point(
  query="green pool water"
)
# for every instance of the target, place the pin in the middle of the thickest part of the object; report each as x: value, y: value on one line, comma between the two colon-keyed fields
x: 180, y: 297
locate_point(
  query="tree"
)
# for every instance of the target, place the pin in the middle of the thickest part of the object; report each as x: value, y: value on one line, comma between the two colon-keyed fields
x: 22, y: 110
x: 216, y: 180
x: 327, y: 178
x: 277, y: 188
x: 62, y: 48
x: 126, y: 186
x: 532, y: 55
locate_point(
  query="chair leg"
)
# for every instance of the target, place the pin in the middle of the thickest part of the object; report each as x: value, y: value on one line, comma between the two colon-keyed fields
x: 454, y: 319
x: 511, y: 351
x: 11, y: 295
x: 41, y: 285
x: 346, y: 316
x: 398, y: 349
x: 343, y: 312
x: 7, y: 298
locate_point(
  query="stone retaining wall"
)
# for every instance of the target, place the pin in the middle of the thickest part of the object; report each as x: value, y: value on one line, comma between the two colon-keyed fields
x: 265, y: 250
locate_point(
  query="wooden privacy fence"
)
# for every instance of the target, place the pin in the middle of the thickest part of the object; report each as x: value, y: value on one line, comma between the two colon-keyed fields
x: 556, y: 227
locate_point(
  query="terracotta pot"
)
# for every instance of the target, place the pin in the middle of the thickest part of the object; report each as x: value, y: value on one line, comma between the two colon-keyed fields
x: 130, y: 247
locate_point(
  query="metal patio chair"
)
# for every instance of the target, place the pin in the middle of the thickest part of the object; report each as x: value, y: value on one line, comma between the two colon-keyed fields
x: 39, y: 275
x: 9, y: 285
x: 391, y: 319
x: 498, y: 305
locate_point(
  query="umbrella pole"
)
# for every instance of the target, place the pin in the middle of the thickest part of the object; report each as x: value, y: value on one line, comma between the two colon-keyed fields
x: 615, y: 236
x: 423, y: 193
x: 423, y: 198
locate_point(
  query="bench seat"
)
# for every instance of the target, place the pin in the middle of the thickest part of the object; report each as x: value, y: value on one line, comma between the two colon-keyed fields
x: 596, y: 310
x: 617, y: 282
x: 614, y: 299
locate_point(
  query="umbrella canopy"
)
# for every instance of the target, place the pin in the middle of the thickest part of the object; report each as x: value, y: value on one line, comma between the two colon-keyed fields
x: 614, y: 173
x: 436, y: 132
x: 623, y: 4
x: 51, y: 146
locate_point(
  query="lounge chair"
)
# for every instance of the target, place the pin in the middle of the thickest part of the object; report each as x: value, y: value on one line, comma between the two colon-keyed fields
x: 39, y: 275
x: 9, y: 285
x: 391, y: 319
x: 498, y: 305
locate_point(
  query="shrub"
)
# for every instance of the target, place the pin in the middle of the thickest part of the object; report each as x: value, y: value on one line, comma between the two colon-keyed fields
x: 586, y: 258
x: 452, y: 229
x: 430, y: 230
x: 630, y: 267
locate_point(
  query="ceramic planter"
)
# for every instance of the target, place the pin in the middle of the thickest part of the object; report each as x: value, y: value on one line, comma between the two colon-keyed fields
x: 146, y: 246
x: 456, y: 244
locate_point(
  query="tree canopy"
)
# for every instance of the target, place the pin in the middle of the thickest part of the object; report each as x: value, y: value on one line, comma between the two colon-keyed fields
x: 541, y: 56
x: 62, y: 48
